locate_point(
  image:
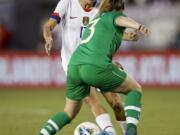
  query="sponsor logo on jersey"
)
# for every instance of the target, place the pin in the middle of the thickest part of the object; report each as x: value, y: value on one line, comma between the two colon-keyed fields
x: 72, y: 17
x: 85, y: 20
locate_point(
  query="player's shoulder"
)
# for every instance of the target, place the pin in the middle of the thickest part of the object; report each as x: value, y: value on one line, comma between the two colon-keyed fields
x: 114, y: 13
x: 109, y: 15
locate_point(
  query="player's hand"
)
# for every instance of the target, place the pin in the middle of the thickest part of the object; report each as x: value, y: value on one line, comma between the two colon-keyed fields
x: 144, y: 30
x: 133, y: 35
x: 48, y: 45
x: 118, y: 65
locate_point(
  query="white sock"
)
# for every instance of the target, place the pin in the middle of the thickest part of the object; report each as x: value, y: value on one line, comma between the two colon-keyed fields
x: 123, y: 125
x: 104, y: 122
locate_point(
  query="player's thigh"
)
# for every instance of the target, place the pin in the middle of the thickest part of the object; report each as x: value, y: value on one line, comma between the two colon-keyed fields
x: 72, y: 107
x: 117, y: 80
x: 106, y: 79
x: 128, y: 85
x: 111, y: 78
x: 76, y: 89
x: 93, y: 92
x: 92, y: 98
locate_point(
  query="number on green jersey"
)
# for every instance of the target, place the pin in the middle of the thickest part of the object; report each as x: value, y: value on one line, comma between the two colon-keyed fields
x: 92, y: 30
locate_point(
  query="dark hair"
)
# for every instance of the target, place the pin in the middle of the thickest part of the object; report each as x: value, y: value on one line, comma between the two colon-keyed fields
x: 117, y: 5
x: 96, y: 3
x: 110, y: 5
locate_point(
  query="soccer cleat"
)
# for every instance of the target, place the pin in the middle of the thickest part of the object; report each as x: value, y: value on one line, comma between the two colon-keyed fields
x: 131, y: 130
x: 106, y: 133
x: 129, y: 133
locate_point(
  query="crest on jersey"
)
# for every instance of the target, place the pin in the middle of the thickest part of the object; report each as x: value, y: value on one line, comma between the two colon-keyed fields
x: 85, y: 20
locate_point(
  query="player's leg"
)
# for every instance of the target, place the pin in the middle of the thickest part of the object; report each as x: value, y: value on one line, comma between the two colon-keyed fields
x: 75, y: 92
x: 59, y: 120
x: 103, y: 119
x: 114, y: 101
x: 92, y: 101
x: 117, y: 80
x: 132, y: 103
x: 116, y: 104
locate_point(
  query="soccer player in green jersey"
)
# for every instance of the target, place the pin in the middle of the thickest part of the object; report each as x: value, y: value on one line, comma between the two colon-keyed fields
x: 91, y: 65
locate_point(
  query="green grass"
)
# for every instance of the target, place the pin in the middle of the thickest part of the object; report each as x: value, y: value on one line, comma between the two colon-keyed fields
x: 24, y: 112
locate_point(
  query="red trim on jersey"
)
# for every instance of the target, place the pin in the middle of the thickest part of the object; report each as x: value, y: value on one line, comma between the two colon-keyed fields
x: 87, y: 9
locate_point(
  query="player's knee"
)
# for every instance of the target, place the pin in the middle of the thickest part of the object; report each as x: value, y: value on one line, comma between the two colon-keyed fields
x: 134, y: 85
x: 139, y: 87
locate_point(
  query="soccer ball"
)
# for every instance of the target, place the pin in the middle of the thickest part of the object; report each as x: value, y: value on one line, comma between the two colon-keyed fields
x: 87, y: 128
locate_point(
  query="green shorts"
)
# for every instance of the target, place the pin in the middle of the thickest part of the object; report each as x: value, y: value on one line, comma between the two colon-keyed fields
x: 81, y: 77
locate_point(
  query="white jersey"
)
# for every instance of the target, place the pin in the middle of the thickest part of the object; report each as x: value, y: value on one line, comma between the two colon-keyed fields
x: 73, y: 20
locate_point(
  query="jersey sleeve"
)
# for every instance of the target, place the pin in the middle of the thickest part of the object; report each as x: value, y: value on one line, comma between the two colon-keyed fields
x: 60, y: 10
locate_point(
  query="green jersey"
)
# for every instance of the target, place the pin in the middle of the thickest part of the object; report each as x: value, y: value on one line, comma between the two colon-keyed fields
x: 100, y: 41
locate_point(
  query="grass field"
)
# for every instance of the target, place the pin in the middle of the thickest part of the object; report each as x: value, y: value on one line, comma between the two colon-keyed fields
x: 24, y: 112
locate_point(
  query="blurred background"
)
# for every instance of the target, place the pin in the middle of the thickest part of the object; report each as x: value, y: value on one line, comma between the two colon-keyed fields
x: 32, y: 84
x: 21, y: 23
x: 21, y: 41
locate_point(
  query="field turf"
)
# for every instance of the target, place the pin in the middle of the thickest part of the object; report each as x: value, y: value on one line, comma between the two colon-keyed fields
x: 22, y: 112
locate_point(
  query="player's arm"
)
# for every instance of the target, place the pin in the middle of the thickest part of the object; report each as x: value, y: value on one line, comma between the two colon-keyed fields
x: 131, y: 36
x: 47, y: 34
x: 55, y: 19
x: 130, y: 23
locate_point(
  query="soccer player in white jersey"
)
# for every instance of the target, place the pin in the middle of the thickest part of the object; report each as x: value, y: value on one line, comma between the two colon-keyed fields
x: 73, y: 16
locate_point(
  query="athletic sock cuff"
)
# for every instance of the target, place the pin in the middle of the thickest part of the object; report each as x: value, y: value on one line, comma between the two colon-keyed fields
x: 103, y: 117
x: 133, y: 99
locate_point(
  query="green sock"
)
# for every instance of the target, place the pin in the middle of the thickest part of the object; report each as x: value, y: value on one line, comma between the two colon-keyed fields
x: 54, y: 124
x: 133, y: 107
